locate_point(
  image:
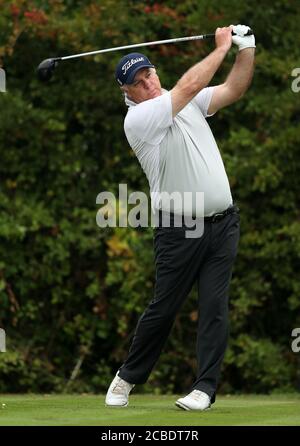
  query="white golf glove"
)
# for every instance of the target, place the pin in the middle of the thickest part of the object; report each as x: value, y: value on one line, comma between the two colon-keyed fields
x: 240, y: 39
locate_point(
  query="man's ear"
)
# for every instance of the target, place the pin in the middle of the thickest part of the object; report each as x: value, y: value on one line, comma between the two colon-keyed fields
x: 124, y: 90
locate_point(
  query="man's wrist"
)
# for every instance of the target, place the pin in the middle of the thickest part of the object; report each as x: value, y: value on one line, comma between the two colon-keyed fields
x: 250, y: 51
x: 249, y: 48
x: 221, y: 50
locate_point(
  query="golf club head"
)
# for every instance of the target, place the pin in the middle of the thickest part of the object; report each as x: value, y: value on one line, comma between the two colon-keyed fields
x: 46, y: 68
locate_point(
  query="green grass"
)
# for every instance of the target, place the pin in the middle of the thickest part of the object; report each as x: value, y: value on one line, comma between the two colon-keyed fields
x: 147, y: 410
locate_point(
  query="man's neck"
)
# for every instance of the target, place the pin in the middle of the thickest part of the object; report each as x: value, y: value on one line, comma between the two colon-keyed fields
x: 129, y: 101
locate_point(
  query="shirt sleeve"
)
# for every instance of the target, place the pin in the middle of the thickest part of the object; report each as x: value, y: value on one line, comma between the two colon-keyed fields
x: 149, y: 120
x: 203, y: 98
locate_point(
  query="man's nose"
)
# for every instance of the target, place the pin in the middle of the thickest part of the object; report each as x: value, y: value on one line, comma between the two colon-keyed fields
x: 147, y: 83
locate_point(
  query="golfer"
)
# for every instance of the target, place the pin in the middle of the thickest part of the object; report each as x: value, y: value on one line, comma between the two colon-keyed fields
x: 173, y: 142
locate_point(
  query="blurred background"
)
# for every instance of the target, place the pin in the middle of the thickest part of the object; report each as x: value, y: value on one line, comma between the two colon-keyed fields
x: 71, y: 293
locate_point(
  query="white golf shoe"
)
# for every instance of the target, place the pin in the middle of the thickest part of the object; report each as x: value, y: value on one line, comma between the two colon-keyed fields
x: 118, y: 392
x: 196, y: 400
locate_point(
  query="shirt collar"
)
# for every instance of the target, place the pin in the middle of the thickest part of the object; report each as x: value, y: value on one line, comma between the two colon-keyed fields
x: 130, y: 103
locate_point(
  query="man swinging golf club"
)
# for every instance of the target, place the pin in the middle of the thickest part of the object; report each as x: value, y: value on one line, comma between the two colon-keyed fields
x: 169, y: 134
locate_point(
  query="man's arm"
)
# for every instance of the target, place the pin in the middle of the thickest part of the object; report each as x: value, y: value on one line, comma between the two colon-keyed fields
x: 237, y: 82
x: 241, y: 74
x: 199, y: 76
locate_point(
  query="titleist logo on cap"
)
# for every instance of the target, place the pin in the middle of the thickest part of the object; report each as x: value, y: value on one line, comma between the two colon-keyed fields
x: 129, y: 64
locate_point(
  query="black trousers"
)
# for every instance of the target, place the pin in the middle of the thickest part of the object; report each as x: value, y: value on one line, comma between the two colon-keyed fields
x: 181, y: 262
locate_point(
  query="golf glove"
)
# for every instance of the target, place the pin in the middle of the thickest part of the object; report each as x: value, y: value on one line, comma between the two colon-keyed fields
x: 240, y: 39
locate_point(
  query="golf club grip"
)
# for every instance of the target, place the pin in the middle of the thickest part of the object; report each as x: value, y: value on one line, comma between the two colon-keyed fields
x: 212, y: 36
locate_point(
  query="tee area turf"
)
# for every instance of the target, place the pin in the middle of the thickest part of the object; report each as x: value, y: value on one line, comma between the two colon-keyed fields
x: 147, y: 410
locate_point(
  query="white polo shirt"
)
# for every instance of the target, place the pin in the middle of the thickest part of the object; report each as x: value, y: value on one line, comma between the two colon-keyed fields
x: 178, y: 154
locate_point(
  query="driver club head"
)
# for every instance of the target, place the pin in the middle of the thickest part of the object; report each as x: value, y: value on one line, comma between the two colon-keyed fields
x: 46, y: 68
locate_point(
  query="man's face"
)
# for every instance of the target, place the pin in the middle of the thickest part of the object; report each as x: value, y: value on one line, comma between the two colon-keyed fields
x: 146, y: 85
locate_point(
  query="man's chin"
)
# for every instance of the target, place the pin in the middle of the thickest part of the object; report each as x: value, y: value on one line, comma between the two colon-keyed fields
x: 155, y: 94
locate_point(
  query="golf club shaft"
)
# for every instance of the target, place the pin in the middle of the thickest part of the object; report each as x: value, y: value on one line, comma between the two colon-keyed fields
x: 47, y: 66
x: 157, y: 42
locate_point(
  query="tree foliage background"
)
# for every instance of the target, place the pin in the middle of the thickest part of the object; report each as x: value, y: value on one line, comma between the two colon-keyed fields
x: 70, y: 292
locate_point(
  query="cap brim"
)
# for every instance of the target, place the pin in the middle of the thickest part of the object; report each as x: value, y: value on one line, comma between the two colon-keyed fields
x: 130, y: 78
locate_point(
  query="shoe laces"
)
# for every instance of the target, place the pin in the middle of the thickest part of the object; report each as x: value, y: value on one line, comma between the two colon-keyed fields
x: 199, y: 395
x: 122, y: 386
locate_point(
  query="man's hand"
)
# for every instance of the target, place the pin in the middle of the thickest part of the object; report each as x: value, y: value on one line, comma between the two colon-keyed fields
x: 223, y: 38
x: 199, y: 76
x: 240, y: 39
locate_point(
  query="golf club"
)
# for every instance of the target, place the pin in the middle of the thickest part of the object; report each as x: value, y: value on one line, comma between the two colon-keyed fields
x: 46, y: 67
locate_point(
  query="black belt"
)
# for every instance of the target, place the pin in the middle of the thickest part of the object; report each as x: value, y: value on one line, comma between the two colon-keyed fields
x: 233, y: 209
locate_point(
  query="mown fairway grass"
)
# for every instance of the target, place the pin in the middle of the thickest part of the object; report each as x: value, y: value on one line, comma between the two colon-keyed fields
x: 147, y: 410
